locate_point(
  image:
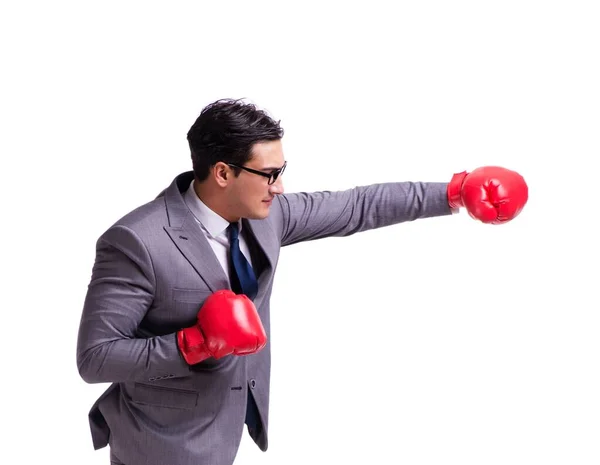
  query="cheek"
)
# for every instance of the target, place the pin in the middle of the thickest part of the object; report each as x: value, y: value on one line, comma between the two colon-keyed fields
x: 252, y: 194
x: 257, y: 192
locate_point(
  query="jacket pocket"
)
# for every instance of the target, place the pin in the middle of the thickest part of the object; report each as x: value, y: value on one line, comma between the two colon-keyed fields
x: 191, y: 296
x: 186, y: 303
x: 164, y: 397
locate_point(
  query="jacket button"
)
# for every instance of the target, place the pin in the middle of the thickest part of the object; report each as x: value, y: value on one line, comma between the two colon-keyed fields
x: 252, y: 383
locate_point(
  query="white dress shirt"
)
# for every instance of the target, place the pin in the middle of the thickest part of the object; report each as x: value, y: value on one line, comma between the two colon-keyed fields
x: 214, y: 227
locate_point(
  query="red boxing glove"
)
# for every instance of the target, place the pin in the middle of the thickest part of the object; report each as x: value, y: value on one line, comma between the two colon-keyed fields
x: 490, y: 194
x: 228, y: 323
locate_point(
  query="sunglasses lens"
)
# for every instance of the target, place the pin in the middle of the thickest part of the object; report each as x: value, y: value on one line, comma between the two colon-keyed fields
x: 276, y: 174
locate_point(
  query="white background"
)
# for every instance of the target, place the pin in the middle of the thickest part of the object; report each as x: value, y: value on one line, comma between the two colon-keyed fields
x: 469, y: 344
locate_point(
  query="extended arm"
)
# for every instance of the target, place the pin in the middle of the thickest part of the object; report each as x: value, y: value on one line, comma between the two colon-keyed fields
x: 490, y: 194
x: 308, y: 216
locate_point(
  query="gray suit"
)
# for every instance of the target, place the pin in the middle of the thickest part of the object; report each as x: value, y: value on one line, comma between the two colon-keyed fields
x: 153, y: 270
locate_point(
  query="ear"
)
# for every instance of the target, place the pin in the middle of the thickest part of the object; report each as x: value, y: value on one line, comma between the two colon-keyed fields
x: 222, y: 173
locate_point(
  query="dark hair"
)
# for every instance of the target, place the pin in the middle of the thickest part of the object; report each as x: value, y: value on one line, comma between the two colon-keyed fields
x: 226, y: 130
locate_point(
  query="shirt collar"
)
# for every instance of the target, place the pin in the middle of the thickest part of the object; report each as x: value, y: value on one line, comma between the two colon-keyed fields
x: 214, y: 223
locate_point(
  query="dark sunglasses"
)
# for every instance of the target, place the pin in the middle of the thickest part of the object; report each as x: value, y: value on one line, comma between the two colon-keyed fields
x: 273, y: 175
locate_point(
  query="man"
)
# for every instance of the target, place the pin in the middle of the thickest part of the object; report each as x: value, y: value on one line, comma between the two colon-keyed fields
x: 176, y: 315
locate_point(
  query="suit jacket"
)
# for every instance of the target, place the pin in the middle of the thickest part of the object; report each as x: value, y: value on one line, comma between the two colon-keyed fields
x: 152, y: 272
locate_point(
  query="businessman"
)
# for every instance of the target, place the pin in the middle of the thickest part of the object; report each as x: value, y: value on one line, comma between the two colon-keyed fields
x: 176, y: 316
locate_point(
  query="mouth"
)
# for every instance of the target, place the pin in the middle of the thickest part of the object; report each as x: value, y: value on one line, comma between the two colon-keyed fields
x: 268, y: 201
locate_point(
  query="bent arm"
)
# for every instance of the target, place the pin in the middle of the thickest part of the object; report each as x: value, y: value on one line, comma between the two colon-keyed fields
x: 119, y: 295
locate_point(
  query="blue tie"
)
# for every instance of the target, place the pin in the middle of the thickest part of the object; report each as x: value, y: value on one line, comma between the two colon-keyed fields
x: 243, y: 281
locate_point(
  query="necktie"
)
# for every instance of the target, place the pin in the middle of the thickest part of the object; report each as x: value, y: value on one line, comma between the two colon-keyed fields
x: 243, y: 279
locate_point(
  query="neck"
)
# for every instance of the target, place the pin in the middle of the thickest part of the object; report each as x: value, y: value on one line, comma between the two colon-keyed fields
x: 214, y: 200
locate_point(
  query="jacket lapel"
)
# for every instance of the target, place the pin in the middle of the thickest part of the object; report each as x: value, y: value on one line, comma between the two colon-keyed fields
x: 268, y: 245
x: 189, y: 239
x: 187, y: 236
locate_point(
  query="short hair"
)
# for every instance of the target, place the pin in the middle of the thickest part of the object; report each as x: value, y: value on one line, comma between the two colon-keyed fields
x: 226, y: 131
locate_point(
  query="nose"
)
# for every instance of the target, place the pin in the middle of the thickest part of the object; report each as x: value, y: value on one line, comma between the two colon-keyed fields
x: 276, y: 187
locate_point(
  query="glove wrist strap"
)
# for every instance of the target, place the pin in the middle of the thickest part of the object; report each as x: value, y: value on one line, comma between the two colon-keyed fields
x: 191, y: 345
x: 454, y: 190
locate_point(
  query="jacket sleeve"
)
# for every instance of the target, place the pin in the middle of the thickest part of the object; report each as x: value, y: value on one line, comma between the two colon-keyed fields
x: 120, y: 293
x: 309, y: 216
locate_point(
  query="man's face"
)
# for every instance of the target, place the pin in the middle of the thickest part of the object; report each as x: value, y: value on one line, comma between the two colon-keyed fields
x: 250, y: 194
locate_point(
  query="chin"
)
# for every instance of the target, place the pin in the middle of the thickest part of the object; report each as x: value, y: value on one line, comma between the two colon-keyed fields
x: 259, y: 214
